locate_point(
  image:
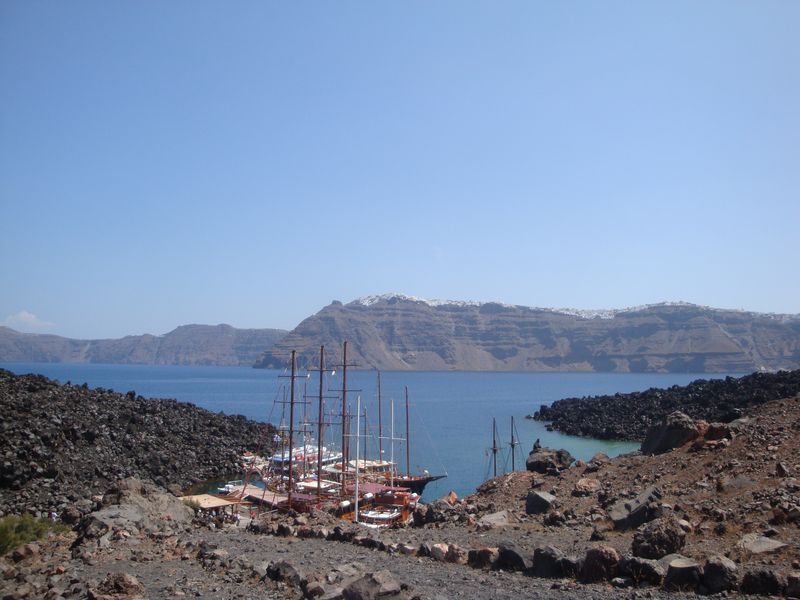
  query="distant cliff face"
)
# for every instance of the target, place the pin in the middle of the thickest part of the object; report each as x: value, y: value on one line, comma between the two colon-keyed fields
x: 401, y: 333
x: 186, y: 345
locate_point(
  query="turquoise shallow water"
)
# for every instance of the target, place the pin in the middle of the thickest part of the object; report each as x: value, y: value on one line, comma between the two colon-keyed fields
x: 451, y: 412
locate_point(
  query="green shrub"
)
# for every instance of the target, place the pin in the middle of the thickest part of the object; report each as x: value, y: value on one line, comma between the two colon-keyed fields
x: 193, y: 504
x: 15, y: 531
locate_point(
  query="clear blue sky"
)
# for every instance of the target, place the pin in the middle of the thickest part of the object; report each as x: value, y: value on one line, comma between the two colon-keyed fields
x: 174, y: 162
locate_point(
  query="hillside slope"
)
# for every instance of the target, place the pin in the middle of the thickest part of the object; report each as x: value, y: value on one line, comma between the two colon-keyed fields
x: 186, y: 345
x: 396, y: 332
x: 629, y: 416
x: 63, y: 443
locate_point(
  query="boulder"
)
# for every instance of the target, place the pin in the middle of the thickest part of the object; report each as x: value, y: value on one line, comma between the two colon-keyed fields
x: 546, y: 460
x: 547, y: 562
x: 26, y: 551
x: 753, y: 543
x: 764, y: 582
x: 513, y: 558
x: 380, y: 584
x: 493, y: 520
x: 677, y: 429
x: 600, y: 564
x: 438, y: 511
x: 570, y: 566
x: 456, y: 554
x: 658, y: 538
x: 286, y: 571
x: 483, y: 558
x: 627, y: 514
x: 683, y: 574
x: 133, y: 506
x: 642, y: 570
x: 438, y: 552
x: 720, y: 574
x: 121, y: 585
x: 539, y: 502
x: 407, y: 550
x: 586, y: 486
x: 718, y: 431
x: 664, y: 561
x: 793, y: 585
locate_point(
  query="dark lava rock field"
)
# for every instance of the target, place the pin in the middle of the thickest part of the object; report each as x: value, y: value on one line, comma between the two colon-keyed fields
x: 62, y: 444
x: 629, y: 416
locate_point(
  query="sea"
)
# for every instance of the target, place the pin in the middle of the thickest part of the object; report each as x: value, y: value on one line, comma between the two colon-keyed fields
x: 450, y: 413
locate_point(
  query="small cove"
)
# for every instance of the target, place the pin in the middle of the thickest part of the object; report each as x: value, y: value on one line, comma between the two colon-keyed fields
x: 451, y: 412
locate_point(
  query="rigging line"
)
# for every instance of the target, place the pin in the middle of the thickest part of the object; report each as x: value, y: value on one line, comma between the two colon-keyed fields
x: 505, y: 455
x: 432, y: 446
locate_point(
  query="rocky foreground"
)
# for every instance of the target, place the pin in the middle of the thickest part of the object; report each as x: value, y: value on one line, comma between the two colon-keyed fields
x: 62, y: 444
x: 714, y: 510
x: 629, y: 416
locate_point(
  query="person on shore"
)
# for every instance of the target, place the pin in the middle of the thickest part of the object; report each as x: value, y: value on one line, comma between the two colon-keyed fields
x: 53, y: 516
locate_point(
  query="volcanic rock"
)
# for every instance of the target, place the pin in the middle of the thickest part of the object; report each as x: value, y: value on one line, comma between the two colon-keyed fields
x: 720, y: 574
x: 546, y: 460
x: 658, y: 538
x: 493, y: 520
x: 548, y: 562
x: 484, y: 558
x: 758, y: 544
x: 586, y: 486
x: 642, y: 570
x: 380, y: 584
x: 539, y: 502
x: 627, y: 514
x: 120, y: 585
x: 513, y: 558
x: 765, y: 582
x: 629, y: 416
x: 683, y: 574
x: 676, y: 430
x: 83, y: 440
x: 793, y: 585
x: 600, y: 564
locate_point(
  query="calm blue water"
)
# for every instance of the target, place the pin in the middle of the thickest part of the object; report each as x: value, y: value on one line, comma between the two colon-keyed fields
x: 451, y: 413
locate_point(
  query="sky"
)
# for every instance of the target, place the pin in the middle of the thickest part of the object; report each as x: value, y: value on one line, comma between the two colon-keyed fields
x: 164, y: 163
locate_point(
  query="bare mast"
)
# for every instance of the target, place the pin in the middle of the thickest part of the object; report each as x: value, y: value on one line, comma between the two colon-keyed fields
x: 345, y: 441
x: 494, y: 446
x: 408, y: 440
x: 291, y: 427
x: 380, y: 424
x: 321, y: 425
x: 358, y: 441
x: 514, y: 444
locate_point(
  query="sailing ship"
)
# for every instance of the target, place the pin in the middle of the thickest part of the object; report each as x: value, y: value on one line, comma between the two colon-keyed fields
x: 311, y: 475
x: 513, y: 445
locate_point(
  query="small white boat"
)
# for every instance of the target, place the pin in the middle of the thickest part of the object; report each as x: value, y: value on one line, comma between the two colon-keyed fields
x: 230, y: 487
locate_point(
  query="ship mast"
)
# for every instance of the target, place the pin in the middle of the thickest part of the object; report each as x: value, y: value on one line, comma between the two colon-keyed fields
x: 345, y: 441
x: 391, y: 444
x: 514, y: 444
x: 321, y: 425
x: 358, y: 441
x: 380, y: 424
x: 408, y: 440
x: 494, y: 445
x: 291, y: 427
x: 366, y: 434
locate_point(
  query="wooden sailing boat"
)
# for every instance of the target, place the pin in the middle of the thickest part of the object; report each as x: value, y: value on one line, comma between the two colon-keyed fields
x: 414, y: 483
